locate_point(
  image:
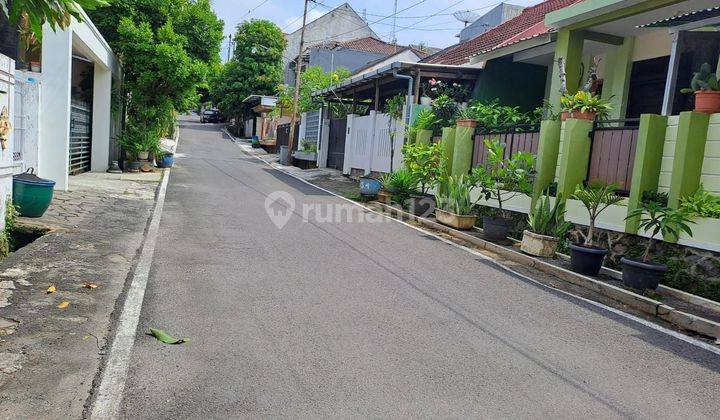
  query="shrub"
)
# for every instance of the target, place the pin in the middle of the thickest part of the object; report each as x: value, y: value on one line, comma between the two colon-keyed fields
x: 445, y: 109
x: 402, y: 184
x: 701, y: 204
x: 502, y: 179
x: 424, y: 162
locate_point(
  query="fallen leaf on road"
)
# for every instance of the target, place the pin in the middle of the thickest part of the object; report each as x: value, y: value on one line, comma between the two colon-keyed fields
x: 165, y: 337
x: 64, y: 304
x: 51, y: 289
x: 89, y: 285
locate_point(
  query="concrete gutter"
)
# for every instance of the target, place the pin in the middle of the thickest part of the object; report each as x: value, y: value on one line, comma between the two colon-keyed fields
x: 641, y: 303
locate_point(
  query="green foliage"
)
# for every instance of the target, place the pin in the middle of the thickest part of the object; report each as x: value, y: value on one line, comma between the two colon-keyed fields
x: 650, y: 196
x: 56, y: 13
x: 502, y: 179
x: 705, y: 79
x: 454, y: 194
x: 402, y: 184
x: 436, y: 88
x: 656, y: 219
x: 11, y: 215
x: 701, y: 204
x: 256, y: 66
x: 445, y: 108
x: 424, y: 162
x: 197, y: 21
x: 308, y: 146
x: 135, y: 139
x: 549, y: 220
x: 583, y: 101
x: 424, y: 120
x: 312, y: 80
x: 596, y: 197
x: 492, y: 114
x: 394, y: 106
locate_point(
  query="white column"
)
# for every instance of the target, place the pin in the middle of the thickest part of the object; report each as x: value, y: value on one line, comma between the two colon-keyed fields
x: 54, y: 141
x: 102, y: 91
x: 324, y: 138
x: 349, y: 145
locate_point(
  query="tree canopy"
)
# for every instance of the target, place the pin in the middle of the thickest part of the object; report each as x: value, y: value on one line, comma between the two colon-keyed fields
x: 57, y: 13
x: 256, y: 66
x: 312, y: 80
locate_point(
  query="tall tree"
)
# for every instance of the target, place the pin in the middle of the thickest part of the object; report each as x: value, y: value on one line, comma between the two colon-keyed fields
x: 256, y: 66
x: 57, y: 13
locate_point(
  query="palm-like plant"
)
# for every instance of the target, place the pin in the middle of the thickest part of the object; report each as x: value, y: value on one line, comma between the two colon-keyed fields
x: 663, y: 220
x: 596, y: 198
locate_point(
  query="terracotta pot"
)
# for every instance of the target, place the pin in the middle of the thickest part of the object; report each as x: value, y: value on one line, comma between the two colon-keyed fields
x: 384, y: 196
x: 466, y: 123
x: 35, y: 66
x: 590, y: 116
x: 538, y: 245
x: 707, y: 101
x: 453, y: 220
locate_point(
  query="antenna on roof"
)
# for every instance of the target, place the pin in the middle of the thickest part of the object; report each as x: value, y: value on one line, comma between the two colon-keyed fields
x: 466, y: 16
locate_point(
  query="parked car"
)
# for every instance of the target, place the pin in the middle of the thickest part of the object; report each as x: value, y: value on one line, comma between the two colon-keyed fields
x: 211, y: 116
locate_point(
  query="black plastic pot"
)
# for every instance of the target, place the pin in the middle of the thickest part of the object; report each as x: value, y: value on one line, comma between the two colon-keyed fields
x: 133, y: 166
x: 586, y: 260
x: 641, y: 275
x: 421, y: 205
x: 496, y: 228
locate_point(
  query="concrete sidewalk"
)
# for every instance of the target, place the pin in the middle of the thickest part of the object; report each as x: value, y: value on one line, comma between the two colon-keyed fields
x: 50, y: 356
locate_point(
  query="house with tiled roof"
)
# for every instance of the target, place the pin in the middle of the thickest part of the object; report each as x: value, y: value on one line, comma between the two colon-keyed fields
x: 358, y: 54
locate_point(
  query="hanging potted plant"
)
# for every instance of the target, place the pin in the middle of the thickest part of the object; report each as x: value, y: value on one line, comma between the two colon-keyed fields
x: 454, y: 202
x: 424, y: 161
x: 645, y: 273
x: 584, y: 105
x: 502, y: 179
x: 546, y: 225
x: 706, y: 86
x: 587, y: 258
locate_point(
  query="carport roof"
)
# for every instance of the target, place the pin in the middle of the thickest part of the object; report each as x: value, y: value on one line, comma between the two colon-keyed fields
x: 423, y: 69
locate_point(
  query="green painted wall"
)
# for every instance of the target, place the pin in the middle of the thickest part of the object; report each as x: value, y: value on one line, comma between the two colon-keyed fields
x: 515, y: 84
x: 547, y: 155
x: 689, y: 153
x: 448, y: 146
x: 569, y: 45
x: 462, y: 156
x: 616, y: 85
x: 575, y: 155
x: 648, y: 159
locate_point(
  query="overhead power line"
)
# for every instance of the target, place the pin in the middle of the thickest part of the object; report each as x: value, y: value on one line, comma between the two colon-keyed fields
x: 252, y: 10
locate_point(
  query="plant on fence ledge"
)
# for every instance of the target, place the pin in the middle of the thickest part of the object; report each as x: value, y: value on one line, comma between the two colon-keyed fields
x: 701, y: 204
x: 466, y: 117
x: 454, y: 203
x: 584, y: 105
x: 546, y: 225
x: 651, y: 196
x: 587, y: 258
x: 502, y: 179
x: 424, y: 161
x: 421, y: 128
x: 670, y: 223
x: 705, y: 85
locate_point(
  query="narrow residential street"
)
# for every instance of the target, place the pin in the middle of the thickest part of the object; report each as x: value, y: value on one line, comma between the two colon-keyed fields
x: 338, y: 319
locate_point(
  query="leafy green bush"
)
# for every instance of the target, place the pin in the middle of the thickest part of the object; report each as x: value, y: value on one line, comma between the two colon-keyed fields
x: 445, y: 108
x: 649, y: 197
x: 548, y: 220
x: 583, y: 101
x: 402, y: 184
x: 454, y: 194
x: 424, y: 161
x: 502, y: 179
x: 701, y: 204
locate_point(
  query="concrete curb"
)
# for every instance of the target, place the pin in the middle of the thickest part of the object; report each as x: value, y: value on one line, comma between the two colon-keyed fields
x: 646, y: 305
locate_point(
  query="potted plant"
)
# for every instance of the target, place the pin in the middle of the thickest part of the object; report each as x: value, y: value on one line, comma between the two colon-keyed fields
x: 587, y: 258
x: 645, y: 273
x: 454, y: 203
x: 502, y: 179
x: 424, y: 161
x: 706, y: 87
x: 164, y: 159
x: 402, y: 184
x: 308, y: 151
x: 584, y: 105
x: 131, y: 142
x: 546, y: 225
x: 385, y: 195
x: 466, y: 117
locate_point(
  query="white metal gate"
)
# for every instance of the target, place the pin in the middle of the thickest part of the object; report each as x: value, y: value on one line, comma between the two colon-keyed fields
x: 80, y: 138
x: 21, y: 121
x: 368, y: 143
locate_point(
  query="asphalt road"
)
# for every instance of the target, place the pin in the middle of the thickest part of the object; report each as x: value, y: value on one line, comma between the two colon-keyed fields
x: 328, y: 318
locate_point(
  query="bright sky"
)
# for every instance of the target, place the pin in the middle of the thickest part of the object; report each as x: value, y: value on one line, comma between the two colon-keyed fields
x: 428, y: 21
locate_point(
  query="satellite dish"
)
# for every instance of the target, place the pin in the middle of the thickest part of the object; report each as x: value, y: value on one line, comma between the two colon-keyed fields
x: 466, y: 16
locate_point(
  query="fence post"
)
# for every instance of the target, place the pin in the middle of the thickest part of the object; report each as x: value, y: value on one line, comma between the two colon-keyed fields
x: 688, y: 157
x: 547, y: 155
x: 646, y: 167
x: 575, y: 156
x: 463, y: 150
x: 448, y: 146
x: 349, y: 144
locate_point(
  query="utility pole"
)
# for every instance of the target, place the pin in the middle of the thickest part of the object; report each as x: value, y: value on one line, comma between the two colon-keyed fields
x: 394, y: 37
x: 298, y: 70
x: 230, y: 46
